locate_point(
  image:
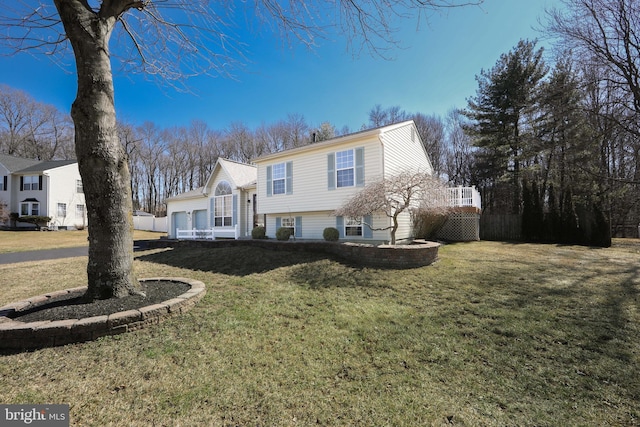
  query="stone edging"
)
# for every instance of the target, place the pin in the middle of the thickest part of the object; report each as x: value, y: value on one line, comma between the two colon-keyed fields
x: 418, y: 254
x: 16, y: 335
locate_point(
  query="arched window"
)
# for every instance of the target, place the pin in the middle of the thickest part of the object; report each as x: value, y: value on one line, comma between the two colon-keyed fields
x: 223, y: 188
x: 223, y: 205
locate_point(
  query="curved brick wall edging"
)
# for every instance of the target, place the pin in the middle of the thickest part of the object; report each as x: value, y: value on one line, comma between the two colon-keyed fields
x: 419, y: 254
x: 16, y: 335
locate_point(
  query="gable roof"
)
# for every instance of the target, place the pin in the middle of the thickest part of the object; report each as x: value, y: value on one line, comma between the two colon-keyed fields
x: 192, y: 194
x: 45, y: 166
x: 14, y: 164
x: 242, y: 175
x: 336, y: 141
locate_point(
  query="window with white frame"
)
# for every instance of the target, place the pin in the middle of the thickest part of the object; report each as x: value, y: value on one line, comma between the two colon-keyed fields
x: 353, y: 226
x: 79, y: 188
x: 279, y: 178
x: 80, y: 211
x: 223, y: 205
x: 345, y: 169
x: 62, y: 210
x: 29, y: 208
x: 290, y: 223
x: 30, y: 182
x: 3, y: 183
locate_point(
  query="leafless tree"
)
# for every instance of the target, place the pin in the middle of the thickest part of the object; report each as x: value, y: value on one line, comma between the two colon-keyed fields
x: 379, y: 116
x: 31, y: 129
x: 604, y: 38
x: 391, y: 196
x: 432, y: 132
x: 170, y: 39
x: 459, y: 151
x: 603, y: 32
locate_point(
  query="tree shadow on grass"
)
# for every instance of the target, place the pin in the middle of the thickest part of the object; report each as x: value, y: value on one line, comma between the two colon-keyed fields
x: 326, y: 274
x: 315, y: 270
x: 234, y: 261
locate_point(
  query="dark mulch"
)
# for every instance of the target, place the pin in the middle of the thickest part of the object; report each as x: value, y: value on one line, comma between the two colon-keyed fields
x: 72, y: 306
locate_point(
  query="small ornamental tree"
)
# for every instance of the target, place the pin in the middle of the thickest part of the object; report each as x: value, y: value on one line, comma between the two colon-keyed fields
x: 37, y: 220
x: 394, y: 195
x: 4, y: 212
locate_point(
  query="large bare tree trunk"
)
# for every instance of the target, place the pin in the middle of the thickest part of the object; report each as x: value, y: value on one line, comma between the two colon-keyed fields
x: 101, y: 158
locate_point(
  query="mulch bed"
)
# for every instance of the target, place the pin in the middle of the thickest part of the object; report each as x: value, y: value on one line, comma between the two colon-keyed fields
x: 72, y: 306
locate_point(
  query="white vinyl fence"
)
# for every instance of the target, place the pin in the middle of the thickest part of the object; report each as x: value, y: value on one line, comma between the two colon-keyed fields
x: 209, y: 233
x: 150, y: 223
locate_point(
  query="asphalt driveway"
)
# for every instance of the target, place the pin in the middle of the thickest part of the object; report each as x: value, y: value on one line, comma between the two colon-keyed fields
x: 45, y: 254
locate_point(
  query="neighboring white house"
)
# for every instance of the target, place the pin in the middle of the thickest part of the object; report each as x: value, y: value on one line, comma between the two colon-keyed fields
x: 301, y: 187
x: 51, y: 188
x: 225, y: 204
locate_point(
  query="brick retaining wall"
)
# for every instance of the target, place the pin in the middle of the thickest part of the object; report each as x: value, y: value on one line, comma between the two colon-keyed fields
x: 418, y: 254
x: 16, y: 335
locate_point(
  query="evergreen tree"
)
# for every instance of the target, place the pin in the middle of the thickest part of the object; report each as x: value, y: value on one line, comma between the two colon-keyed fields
x: 501, y: 112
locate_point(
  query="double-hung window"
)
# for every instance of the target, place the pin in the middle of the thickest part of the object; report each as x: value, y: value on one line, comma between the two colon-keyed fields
x: 290, y: 223
x: 62, y: 210
x: 80, y: 211
x: 223, y: 205
x: 79, y: 188
x: 29, y: 208
x: 353, y: 226
x: 279, y: 178
x: 30, y: 182
x: 345, y: 169
x: 3, y: 183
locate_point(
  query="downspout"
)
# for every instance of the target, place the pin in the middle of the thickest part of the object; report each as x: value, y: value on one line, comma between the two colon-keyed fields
x: 46, y: 186
x: 384, y: 174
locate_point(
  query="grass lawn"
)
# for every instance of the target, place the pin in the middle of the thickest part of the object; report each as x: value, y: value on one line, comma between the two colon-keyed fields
x: 492, y: 334
x: 17, y: 241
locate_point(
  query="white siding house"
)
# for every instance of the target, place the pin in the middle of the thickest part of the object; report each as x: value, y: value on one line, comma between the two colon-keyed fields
x: 301, y: 187
x: 51, y: 188
x: 224, y: 206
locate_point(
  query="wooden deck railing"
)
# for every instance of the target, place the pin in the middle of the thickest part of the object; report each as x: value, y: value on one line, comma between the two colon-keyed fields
x: 462, y: 197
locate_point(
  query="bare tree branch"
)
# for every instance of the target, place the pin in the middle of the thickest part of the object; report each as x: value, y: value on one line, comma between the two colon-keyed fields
x: 174, y: 39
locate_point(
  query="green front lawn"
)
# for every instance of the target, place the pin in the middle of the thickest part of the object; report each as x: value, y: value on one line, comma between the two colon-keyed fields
x: 492, y: 334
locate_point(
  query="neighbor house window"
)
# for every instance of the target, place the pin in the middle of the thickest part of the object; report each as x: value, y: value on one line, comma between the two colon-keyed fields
x: 30, y: 182
x: 353, y: 226
x: 223, y: 205
x: 345, y: 172
x: 62, y: 210
x: 3, y: 183
x: 80, y: 211
x: 29, y: 208
x: 79, y: 188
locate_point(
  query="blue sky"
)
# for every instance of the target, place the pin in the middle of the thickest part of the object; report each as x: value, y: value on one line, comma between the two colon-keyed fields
x: 433, y: 72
